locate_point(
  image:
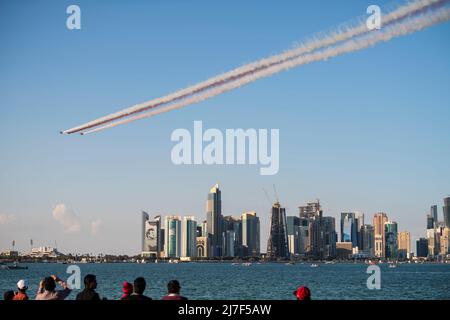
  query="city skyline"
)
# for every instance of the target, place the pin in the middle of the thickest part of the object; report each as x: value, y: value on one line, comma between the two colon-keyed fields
x: 349, y: 127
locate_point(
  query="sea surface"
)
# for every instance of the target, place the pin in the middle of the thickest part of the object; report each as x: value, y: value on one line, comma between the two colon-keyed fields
x: 257, y: 281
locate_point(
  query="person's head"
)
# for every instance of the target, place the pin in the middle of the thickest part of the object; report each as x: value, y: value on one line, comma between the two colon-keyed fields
x: 49, y: 284
x: 8, y: 295
x: 303, y: 293
x: 127, y: 288
x: 22, y: 286
x: 90, y: 281
x: 173, y: 286
x: 139, y: 285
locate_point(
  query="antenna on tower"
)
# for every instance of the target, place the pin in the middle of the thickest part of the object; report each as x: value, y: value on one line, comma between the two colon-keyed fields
x: 276, y: 193
x: 267, y: 196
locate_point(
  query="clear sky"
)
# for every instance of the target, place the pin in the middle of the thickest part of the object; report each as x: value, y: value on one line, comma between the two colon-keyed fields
x: 366, y: 131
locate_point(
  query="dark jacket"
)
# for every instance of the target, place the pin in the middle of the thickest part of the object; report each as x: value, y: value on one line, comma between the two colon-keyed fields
x: 88, y: 294
x: 135, y: 296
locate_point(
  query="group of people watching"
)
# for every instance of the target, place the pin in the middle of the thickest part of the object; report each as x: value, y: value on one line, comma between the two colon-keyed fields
x: 47, y: 290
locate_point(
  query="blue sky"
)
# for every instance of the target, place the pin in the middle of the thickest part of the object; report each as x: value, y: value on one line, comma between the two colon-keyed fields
x: 366, y: 131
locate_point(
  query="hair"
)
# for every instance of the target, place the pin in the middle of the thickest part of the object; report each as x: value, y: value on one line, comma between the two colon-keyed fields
x: 90, y: 281
x: 139, y: 285
x: 49, y: 284
x: 173, y: 286
x: 8, y: 295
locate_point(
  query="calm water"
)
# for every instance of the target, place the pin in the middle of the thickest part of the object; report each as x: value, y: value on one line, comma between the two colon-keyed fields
x: 258, y: 281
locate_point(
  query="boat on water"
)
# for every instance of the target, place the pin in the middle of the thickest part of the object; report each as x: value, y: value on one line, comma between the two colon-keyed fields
x: 290, y: 263
x: 392, y: 265
x: 314, y: 265
x: 247, y: 264
x: 14, y: 266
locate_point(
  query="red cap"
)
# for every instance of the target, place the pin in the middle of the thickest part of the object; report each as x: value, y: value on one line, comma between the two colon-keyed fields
x: 127, y: 287
x: 303, y: 293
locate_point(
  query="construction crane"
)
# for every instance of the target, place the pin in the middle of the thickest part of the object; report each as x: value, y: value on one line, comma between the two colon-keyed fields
x: 267, y: 196
x: 276, y: 193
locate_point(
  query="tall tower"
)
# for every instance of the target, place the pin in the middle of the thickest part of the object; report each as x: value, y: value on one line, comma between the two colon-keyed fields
x: 250, y: 234
x: 214, y: 219
x: 151, y: 245
x: 391, y: 239
x: 446, y: 211
x: 434, y: 214
x: 379, y: 220
x: 277, y: 244
x: 172, y: 236
x: 404, y: 245
x: 349, y: 228
x: 189, y: 237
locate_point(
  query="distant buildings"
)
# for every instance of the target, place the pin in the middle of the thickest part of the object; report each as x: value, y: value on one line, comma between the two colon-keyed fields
x: 277, y: 244
x: 308, y: 235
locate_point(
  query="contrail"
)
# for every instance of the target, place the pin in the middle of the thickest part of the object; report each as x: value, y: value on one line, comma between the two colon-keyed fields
x: 249, y: 69
x: 410, y: 25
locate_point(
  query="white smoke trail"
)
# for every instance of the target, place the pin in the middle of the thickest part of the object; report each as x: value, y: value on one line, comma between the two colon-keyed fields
x: 410, y: 25
x: 333, y: 38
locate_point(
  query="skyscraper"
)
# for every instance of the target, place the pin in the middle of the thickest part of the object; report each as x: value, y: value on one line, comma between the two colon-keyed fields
x: 311, y: 214
x: 277, y: 244
x: 404, y: 245
x: 250, y: 233
x: 349, y: 228
x: 434, y: 214
x: 422, y: 248
x: 293, y: 225
x: 172, y: 237
x: 367, y: 240
x: 391, y: 238
x: 379, y: 220
x: 150, y: 236
x: 430, y: 222
x: 329, y: 237
x: 214, y: 219
x: 189, y: 237
x: 446, y: 211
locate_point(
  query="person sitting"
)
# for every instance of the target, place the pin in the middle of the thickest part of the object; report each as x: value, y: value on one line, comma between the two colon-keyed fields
x: 8, y: 295
x: 127, y: 290
x: 139, y: 288
x: 47, y: 289
x: 90, y: 284
x: 21, y: 294
x: 173, y: 288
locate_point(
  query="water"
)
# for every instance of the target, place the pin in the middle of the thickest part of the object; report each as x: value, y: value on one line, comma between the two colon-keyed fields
x: 258, y: 281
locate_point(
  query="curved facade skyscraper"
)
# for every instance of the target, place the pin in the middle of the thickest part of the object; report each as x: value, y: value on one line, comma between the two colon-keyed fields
x: 214, y: 220
x: 277, y: 244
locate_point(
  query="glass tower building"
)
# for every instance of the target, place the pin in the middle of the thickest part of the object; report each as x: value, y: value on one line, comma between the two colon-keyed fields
x: 349, y: 228
x: 214, y: 220
x: 172, y: 236
x: 250, y: 234
x: 189, y: 237
x: 391, y: 234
